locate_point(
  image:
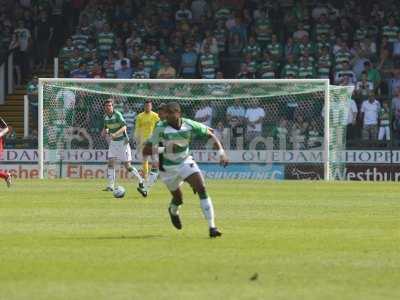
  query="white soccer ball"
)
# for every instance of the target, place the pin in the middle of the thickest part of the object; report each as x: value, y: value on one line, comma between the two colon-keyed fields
x: 119, y: 192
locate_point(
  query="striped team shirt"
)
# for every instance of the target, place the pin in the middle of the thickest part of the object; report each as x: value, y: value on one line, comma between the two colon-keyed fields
x: 220, y: 35
x: 322, y: 44
x: 324, y: 66
x: 305, y: 72
x: 149, y: 62
x: 391, y: 32
x: 253, y: 50
x: 275, y: 49
x: 115, y: 122
x: 267, y: 70
x: 208, y: 64
x: 80, y: 40
x: 105, y: 42
x: 222, y: 14
x: 290, y: 70
x: 177, y: 141
x: 322, y: 29
x: 263, y: 27
x: 66, y: 53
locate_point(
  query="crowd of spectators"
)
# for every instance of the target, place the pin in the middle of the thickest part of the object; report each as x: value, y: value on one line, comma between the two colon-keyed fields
x: 350, y: 42
x: 35, y: 30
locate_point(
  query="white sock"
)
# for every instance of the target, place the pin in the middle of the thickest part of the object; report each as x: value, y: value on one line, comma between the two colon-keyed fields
x: 111, y: 177
x: 152, y: 178
x: 135, y: 173
x: 208, y: 211
x: 174, y: 209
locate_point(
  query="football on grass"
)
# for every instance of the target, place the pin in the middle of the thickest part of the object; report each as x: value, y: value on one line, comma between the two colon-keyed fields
x: 119, y: 192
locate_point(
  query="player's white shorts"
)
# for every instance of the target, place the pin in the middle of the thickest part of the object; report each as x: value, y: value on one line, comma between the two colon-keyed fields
x: 174, y: 177
x: 120, y: 150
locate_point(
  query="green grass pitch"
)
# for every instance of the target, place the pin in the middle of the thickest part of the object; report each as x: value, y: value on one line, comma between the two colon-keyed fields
x: 66, y: 239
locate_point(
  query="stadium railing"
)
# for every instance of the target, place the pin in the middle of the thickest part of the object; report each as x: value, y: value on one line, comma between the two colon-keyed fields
x: 6, y: 75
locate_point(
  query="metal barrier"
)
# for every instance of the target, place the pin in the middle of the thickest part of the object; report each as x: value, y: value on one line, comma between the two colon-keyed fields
x: 26, y: 116
x: 6, y: 76
x: 56, y: 68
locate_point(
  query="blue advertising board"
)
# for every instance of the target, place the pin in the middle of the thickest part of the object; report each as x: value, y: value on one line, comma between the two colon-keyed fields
x: 244, y: 171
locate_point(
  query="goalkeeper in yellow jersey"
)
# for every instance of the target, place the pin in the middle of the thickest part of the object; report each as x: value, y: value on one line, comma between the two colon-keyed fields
x: 144, y: 125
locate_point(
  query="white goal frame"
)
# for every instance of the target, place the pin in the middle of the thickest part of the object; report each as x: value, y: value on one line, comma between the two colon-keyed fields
x: 325, y: 82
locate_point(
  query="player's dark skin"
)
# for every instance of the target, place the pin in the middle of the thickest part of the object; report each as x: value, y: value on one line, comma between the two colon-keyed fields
x: 196, y: 181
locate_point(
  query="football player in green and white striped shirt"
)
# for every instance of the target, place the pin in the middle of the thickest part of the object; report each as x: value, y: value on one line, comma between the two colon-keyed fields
x: 119, y: 148
x: 176, y: 134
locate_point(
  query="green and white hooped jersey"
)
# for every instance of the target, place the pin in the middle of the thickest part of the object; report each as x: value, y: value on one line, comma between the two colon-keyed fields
x: 176, y: 141
x: 113, y: 123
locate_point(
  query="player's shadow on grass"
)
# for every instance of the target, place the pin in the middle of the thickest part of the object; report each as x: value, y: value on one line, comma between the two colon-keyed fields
x: 121, y: 237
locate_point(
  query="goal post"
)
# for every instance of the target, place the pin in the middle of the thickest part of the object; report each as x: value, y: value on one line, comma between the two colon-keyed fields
x: 292, y: 117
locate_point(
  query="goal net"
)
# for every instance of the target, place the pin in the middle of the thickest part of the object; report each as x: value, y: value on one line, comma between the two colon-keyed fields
x: 292, y: 126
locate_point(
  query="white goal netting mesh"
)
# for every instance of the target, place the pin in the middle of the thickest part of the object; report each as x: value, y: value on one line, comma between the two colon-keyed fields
x: 273, y: 120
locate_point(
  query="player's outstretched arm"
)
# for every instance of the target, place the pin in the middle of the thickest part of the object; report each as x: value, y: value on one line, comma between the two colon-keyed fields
x: 223, y: 158
x: 3, y: 131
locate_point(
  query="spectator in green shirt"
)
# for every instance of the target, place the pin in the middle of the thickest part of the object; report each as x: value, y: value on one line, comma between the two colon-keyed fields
x: 373, y: 74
